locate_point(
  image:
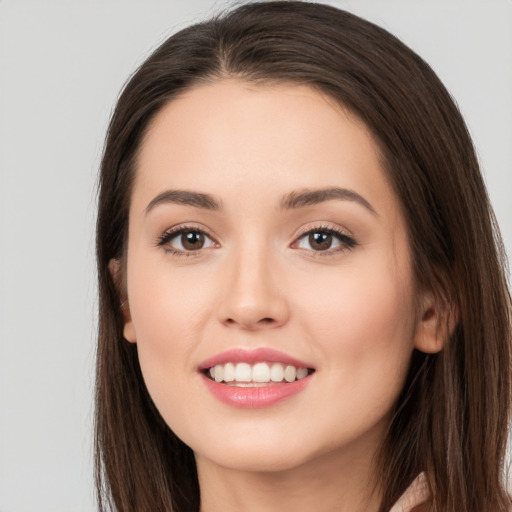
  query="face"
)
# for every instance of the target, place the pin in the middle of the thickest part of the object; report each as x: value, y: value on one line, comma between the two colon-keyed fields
x: 265, y: 242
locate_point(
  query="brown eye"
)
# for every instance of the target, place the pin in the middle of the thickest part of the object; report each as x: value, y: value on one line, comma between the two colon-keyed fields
x: 320, y: 241
x: 185, y: 241
x: 192, y: 240
x: 328, y: 240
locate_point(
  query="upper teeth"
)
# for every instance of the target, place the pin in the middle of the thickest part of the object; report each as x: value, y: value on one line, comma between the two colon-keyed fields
x: 259, y: 372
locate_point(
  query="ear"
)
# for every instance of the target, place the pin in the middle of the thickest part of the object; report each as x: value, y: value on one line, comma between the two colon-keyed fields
x: 437, y: 319
x: 114, y: 266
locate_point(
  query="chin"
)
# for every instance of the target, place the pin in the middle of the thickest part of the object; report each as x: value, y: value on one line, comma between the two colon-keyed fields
x: 256, y: 459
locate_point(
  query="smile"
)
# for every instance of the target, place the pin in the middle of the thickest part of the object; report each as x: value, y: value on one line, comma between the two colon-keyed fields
x: 257, y: 375
x: 257, y: 378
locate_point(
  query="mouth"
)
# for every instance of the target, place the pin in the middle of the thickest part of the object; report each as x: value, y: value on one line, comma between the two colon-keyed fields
x: 254, y: 378
x: 260, y: 374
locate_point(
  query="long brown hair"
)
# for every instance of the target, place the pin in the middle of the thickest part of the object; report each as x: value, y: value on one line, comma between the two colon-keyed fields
x: 451, y: 419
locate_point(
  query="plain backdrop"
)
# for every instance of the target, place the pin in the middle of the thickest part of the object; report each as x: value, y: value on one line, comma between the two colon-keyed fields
x: 62, y: 64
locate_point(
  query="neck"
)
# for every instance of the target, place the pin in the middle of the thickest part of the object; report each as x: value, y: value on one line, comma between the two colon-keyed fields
x: 328, y: 483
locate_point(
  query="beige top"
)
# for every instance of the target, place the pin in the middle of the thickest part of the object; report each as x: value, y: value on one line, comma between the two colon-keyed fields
x: 416, y: 494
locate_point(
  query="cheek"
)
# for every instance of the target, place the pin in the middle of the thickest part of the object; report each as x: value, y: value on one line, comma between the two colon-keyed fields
x: 165, y: 305
x: 363, y: 321
x: 168, y: 313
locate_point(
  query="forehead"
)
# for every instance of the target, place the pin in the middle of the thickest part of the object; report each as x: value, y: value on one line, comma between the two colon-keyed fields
x: 235, y: 139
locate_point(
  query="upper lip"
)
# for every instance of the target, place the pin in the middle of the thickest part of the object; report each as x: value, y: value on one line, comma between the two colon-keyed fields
x: 252, y: 356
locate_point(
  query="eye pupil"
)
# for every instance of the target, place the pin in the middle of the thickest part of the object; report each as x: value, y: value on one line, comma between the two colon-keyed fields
x: 320, y: 241
x: 192, y: 240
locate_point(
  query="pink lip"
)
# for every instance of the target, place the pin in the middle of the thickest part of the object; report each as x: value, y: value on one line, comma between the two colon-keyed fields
x: 258, y: 355
x: 253, y: 397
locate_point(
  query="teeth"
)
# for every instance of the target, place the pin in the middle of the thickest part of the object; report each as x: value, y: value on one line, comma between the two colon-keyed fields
x: 219, y: 373
x: 229, y: 372
x: 290, y: 373
x: 243, y: 372
x: 277, y: 372
x: 259, y: 373
x: 301, y: 373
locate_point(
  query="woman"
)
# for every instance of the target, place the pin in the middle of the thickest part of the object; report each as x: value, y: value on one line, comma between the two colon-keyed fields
x: 302, y: 296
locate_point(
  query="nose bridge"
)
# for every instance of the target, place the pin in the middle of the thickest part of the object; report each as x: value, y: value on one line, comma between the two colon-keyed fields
x: 252, y: 297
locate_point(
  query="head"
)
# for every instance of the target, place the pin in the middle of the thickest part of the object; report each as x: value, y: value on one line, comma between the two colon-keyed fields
x: 450, y: 412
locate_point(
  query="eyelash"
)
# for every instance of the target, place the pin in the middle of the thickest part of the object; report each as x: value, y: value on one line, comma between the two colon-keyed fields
x: 172, y: 233
x: 347, y: 243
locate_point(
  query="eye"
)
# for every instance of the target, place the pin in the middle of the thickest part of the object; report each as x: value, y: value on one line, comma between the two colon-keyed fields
x: 183, y: 240
x: 324, y: 239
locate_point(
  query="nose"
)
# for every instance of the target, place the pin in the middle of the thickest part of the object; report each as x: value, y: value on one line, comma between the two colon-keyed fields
x: 251, y: 298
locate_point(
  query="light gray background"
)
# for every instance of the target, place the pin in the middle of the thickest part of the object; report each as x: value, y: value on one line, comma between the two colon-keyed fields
x: 62, y: 64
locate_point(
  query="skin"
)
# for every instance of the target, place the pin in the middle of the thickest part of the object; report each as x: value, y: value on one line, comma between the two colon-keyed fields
x: 349, y: 312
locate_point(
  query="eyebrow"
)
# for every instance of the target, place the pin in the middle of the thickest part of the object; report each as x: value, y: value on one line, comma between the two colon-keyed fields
x: 186, y: 197
x: 291, y: 201
x: 301, y: 198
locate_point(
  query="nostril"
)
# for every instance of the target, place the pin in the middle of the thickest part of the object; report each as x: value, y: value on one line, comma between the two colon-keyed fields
x: 263, y: 321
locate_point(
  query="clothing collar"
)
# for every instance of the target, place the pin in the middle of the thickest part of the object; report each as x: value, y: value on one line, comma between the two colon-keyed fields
x: 416, y: 494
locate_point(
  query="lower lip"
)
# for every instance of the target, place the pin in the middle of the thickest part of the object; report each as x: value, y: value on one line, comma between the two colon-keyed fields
x: 257, y: 397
